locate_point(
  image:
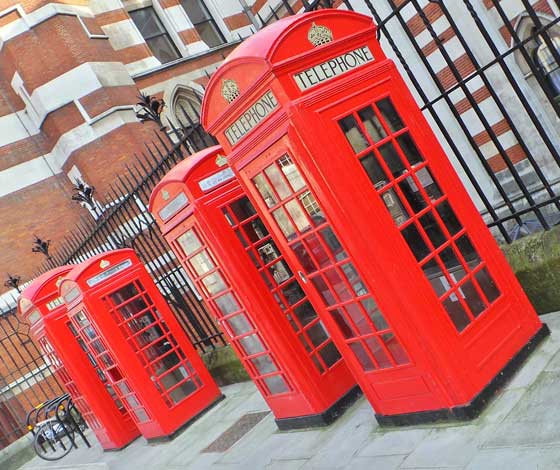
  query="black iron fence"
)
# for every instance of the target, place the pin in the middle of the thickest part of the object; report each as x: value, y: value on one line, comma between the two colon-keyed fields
x: 26, y: 379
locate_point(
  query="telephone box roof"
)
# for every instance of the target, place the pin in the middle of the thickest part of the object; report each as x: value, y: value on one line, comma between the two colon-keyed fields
x: 36, y: 287
x: 77, y: 272
x: 180, y: 172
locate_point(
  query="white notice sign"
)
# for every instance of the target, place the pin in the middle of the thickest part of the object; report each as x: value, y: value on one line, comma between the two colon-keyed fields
x: 250, y: 118
x: 334, y: 67
x: 216, y: 179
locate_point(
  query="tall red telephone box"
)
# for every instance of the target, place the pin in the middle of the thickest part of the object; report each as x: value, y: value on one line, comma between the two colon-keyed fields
x: 119, y: 313
x: 364, y: 205
x: 73, y: 363
x: 224, y: 246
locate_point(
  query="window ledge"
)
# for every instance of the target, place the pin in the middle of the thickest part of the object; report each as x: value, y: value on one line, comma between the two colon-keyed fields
x: 183, y: 60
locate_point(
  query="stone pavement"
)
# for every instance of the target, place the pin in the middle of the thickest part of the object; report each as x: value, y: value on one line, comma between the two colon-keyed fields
x: 519, y: 430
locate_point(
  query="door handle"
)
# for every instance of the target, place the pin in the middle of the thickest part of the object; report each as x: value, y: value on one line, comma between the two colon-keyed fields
x: 302, y: 277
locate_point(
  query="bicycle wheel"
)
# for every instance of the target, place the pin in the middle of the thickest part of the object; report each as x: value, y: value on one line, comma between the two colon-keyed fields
x: 52, y: 441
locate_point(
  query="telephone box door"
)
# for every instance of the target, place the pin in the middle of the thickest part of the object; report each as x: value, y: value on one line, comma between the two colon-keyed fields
x: 337, y: 289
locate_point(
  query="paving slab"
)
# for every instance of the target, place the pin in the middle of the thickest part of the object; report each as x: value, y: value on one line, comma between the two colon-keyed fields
x: 385, y: 462
x: 393, y: 442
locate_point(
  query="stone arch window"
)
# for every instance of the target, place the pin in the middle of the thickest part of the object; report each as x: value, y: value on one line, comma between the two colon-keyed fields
x: 203, y: 22
x: 184, y: 114
x: 543, y: 58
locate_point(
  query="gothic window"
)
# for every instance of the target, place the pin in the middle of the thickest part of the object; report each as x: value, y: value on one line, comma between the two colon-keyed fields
x: 548, y: 67
x: 185, y: 115
x: 155, y: 34
x: 203, y: 22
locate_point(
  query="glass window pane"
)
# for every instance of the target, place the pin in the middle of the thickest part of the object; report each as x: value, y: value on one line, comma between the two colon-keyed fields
x: 323, y: 290
x: 210, y: 33
x: 298, y: 216
x: 227, y: 304
x: 196, y: 10
x: 390, y: 114
x: 412, y: 194
x: 374, y: 171
x: 468, y: 251
x: 147, y: 22
x: 472, y: 298
x: 487, y: 285
x: 312, y: 207
x: 182, y: 391
x: 415, y: 242
x: 291, y: 173
x: 338, y: 284
x: 242, y: 209
x: 284, y: 223
x: 353, y: 134
x: 374, y: 314
x: 333, y: 244
x: 456, y: 312
x: 280, y: 272
x: 395, y: 206
x: 189, y: 242
x: 255, y: 230
x: 342, y: 322
x: 124, y: 293
x: 202, y: 263
x: 372, y: 124
x: 427, y: 181
x: 251, y: 344
x: 378, y: 352
x: 293, y: 293
x: 409, y: 149
x: 330, y: 354
x: 276, y: 384
x: 305, y: 313
x: 395, y: 348
x: 392, y: 159
x: 163, y: 48
x: 434, y: 273
x: 265, y: 190
x: 239, y: 324
x: 448, y: 217
x: 277, y: 181
x: 317, y: 334
x: 362, y: 356
x: 452, y: 264
x: 354, y: 279
x: 432, y: 229
x: 268, y: 252
x: 214, y: 283
x: 264, y: 364
x: 140, y: 415
x: 359, y: 318
x: 320, y: 256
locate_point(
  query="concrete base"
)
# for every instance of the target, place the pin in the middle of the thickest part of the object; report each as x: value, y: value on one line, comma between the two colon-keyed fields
x: 475, y: 407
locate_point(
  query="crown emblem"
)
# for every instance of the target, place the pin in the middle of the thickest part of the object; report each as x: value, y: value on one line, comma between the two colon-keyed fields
x: 319, y: 34
x: 165, y: 195
x: 59, y: 281
x: 104, y: 263
x: 221, y: 160
x: 230, y: 90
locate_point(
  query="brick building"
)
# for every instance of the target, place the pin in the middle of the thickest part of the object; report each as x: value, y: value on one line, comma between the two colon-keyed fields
x: 71, y: 70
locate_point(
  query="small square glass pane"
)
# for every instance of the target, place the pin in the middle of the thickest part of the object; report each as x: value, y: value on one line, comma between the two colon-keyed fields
x: 362, y: 356
x: 209, y: 33
x: 189, y: 242
x: 354, y: 279
x: 265, y: 190
x: 353, y: 133
x: 239, y: 324
x: 227, y: 304
x: 456, y: 312
x: 468, y: 251
x: 434, y: 273
x: 264, y: 364
x: 412, y: 194
x: 472, y: 298
x: 312, y: 207
x: 452, y: 264
x: 426, y: 180
x: 395, y: 206
x: 202, y: 263
x: 214, y: 283
x: 409, y: 148
x: 305, y: 313
x: 336, y: 281
x: 291, y: 173
x: 284, y: 223
x: 449, y: 218
x: 378, y: 352
x: 280, y: 272
x: 359, y: 318
x: 298, y: 216
x: 432, y: 229
x: 140, y: 415
x: 372, y: 124
x: 292, y: 293
x: 163, y: 48
x: 276, y: 384
x: 268, y: 252
x: 333, y: 244
x: 415, y: 242
x: 487, y: 285
x: 392, y: 159
x: 323, y: 290
x: 278, y: 182
x: 302, y: 252
x: 251, y: 344
x: 242, y: 209
x: 395, y: 348
x: 374, y: 170
x: 329, y: 354
x: 374, y: 314
x: 390, y: 114
x: 343, y: 324
x: 255, y: 230
x: 317, y: 334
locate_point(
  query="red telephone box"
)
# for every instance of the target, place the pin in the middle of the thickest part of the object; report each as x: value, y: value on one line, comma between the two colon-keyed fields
x: 119, y: 313
x: 223, y: 244
x: 365, y: 207
x: 73, y: 363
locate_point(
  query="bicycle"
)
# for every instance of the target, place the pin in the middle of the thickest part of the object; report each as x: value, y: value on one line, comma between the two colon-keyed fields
x: 53, y: 439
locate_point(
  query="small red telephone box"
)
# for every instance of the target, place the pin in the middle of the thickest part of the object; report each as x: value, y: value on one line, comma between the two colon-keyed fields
x: 223, y: 244
x: 364, y: 205
x: 119, y: 313
x: 72, y: 362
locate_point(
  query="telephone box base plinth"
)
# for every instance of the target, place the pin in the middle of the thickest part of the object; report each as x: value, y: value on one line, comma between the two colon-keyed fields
x: 174, y: 434
x: 477, y: 405
x: 322, y: 419
x: 118, y: 449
